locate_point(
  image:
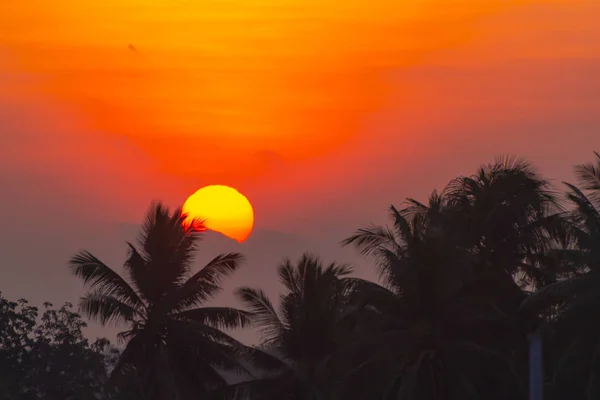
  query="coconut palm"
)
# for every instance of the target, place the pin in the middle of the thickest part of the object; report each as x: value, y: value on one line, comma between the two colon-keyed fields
x: 574, y: 330
x: 174, y: 342
x: 303, y: 334
x: 507, y: 216
x: 510, y: 220
x: 430, y: 335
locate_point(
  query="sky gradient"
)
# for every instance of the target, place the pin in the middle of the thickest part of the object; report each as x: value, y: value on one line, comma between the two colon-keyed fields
x: 321, y: 114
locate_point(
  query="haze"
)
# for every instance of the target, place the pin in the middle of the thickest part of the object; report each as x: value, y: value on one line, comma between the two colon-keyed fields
x: 351, y: 108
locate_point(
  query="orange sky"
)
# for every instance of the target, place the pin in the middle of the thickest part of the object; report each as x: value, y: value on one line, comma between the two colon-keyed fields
x: 282, y: 101
x: 216, y: 87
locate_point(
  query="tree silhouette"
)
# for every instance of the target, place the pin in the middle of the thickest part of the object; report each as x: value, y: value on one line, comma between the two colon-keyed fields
x: 431, y: 334
x: 300, y: 338
x: 175, y: 348
x: 464, y: 277
x: 46, y: 356
x: 573, y: 332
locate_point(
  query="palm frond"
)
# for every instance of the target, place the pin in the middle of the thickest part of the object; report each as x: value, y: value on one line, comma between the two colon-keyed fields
x: 203, y: 344
x: 168, y: 247
x: 338, y: 270
x: 456, y: 190
x: 287, y: 275
x: 402, y: 226
x: 310, y: 267
x: 136, y: 269
x: 414, y: 207
x: 206, y: 283
x: 363, y: 293
x: 106, y: 308
x: 129, y: 358
x: 101, y: 277
x: 209, y: 333
x: 369, y: 240
x: 218, y: 268
x: 588, y: 174
x: 583, y: 203
x: 218, y: 317
x: 587, y: 215
x: 266, y: 362
x: 561, y: 291
x: 395, y: 269
x: 263, y: 313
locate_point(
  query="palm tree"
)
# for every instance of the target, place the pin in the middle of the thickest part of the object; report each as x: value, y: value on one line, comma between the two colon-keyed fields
x: 573, y: 327
x: 507, y: 216
x: 510, y: 221
x: 303, y: 335
x: 430, y: 335
x: 174, y: 345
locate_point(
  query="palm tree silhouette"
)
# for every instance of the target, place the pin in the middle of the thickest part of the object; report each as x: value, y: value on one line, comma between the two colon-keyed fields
x: 449, y: 270
x: 429, y: 335
x: 174, y: 346
x: 303, y: 334
x: 506, y: 215
x: 573, y: 327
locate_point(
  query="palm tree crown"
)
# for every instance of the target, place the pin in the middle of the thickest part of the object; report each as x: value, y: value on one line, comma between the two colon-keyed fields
x: 160, y: 302
x: 574, y: 302
x: 448, y: 269
x: 304, y: 332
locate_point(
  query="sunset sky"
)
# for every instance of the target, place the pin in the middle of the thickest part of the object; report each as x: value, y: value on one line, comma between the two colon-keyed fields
x: 321, y: 112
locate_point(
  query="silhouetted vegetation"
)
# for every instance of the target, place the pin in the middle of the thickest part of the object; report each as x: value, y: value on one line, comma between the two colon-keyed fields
x: 464, y: 279
x: 46, y: 356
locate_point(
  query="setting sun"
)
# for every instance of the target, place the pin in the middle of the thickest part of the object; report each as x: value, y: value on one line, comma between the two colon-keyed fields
x: 223, y: 209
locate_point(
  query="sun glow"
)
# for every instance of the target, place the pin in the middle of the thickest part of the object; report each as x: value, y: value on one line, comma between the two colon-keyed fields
x: 223, y: 209
x: 293, y: 77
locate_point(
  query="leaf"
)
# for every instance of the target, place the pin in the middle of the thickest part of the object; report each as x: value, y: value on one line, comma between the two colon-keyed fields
x: 168, y: 248
x: 560, y: 292
x: 205, y: 345
x: 101, y: 277
x: 287, y: 276
x: 265, y: 361
x: 218, y: 317
x: 369, y: 240
x: 135, y: 265
x: 262, y: 310
x: 401, y: 224
x: 128, y: 359
x: 106, y: 309
x: 204, y: 284
x: 588, y: 175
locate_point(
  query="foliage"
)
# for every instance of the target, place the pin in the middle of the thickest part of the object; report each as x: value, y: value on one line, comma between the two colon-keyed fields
x: 573, y: 332
x: 175, y: 347
x: 432, y: 318
x: 464, y: 278
x: 47, y: 357
x: 302, y: 335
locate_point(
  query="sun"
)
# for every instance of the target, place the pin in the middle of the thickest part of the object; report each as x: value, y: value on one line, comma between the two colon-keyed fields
x: 223, y: 209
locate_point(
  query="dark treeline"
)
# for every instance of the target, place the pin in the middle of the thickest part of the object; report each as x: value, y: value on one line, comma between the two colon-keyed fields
x: 464, y: 279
